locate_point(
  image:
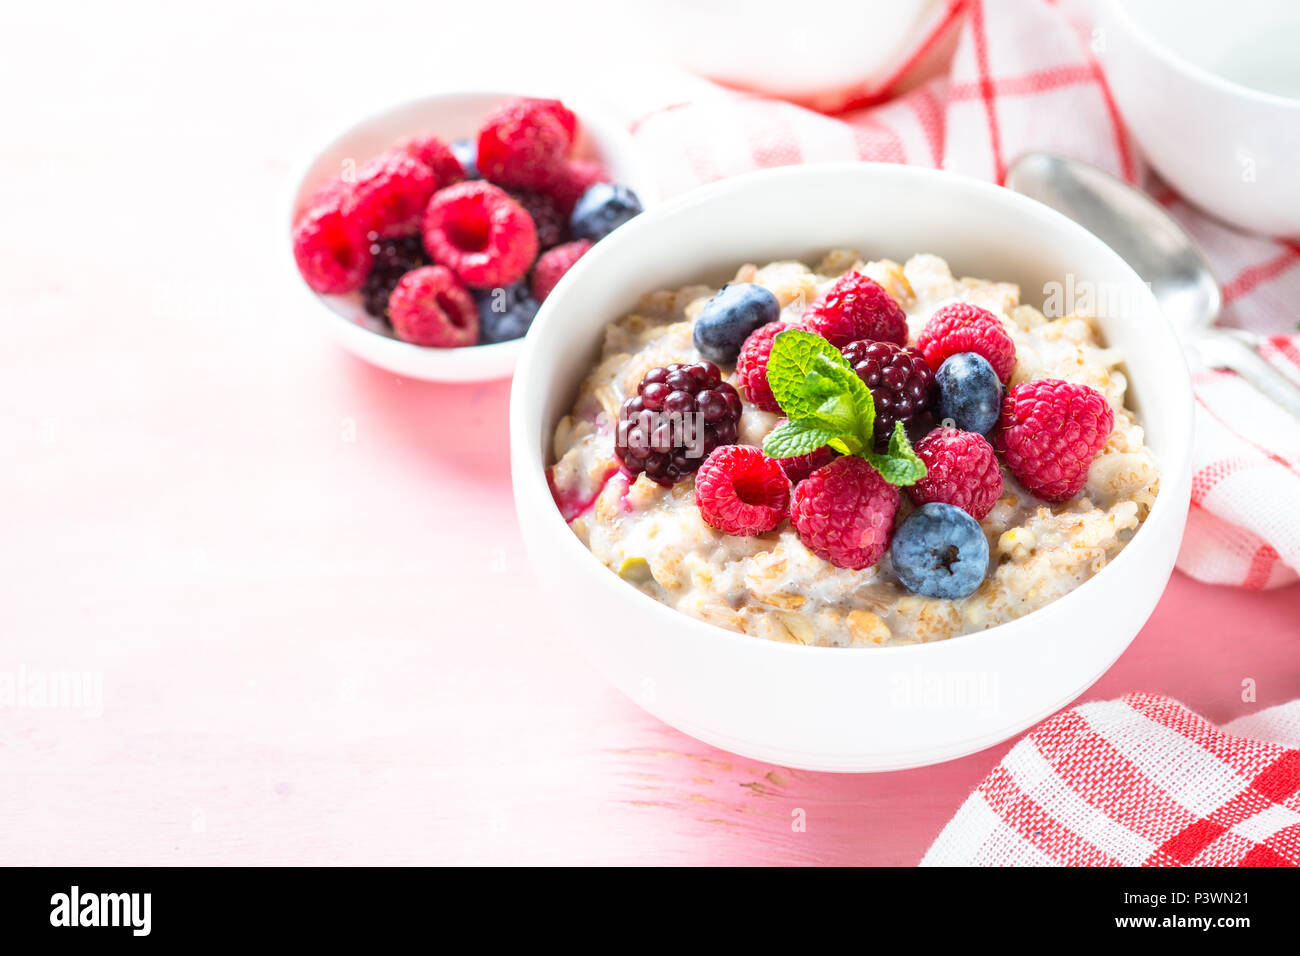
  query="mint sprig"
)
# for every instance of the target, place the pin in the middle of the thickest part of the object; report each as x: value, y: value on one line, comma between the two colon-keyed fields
x: 827, y: 404
x: 801, y: 437
x: 900, y: 464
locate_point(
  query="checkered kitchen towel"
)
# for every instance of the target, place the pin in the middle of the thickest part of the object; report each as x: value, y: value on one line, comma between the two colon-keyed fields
x: 1140, y: 781
x: 1024, y: 77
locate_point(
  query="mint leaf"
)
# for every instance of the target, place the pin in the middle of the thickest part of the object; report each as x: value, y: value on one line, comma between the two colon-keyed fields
x: 804, y: 371
x: 812, y: 380
x: 866, y: 408
x: 900, y: 465
x: 837, y: 414
x: 846, y: 444
x: 827, y: 404
x: 896, y: 471
x: 899, y: 443
x: 795, y: 438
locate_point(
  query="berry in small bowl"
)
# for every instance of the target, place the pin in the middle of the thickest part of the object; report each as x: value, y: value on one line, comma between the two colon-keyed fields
x: 483, y: 185
x: 601, y: 209
x: 505, y: 313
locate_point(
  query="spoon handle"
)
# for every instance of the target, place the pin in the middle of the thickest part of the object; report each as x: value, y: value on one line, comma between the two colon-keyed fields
x: 1221, y: 349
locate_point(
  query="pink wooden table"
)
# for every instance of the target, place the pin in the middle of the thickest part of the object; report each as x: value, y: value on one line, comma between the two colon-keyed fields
x: 321, y: 650
x: 296, y: 580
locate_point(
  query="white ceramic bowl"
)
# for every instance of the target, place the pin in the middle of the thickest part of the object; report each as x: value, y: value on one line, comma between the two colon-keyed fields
x: 451, y: 116
x: 731, y: 41
x: 1211, y: 92
x: 840, y: 708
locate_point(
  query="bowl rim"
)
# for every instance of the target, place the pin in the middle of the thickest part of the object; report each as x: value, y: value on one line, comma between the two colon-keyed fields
x: 498, y: 357
x: 1172, y: 59
x: 532, y: 488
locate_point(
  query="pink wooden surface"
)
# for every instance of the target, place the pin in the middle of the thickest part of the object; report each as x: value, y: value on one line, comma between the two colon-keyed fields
x: 299, y: 579
x: 315, y: 650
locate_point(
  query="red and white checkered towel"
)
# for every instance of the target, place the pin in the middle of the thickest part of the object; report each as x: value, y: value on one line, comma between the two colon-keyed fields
x: 1024, y: 77
x: 1140, y: 781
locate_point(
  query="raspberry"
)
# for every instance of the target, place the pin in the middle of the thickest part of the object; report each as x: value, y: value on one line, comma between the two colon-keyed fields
x: 1049, y: 433
x: 330, y: 248
x: 393, y: 258
x: 391, y: 193
x: 741, y: 491
x: 429, y: 307
x: 962, y: 327
x: 553, y: 264
x: 575, y: 178
x: 844, y: 513
x: 335, y: 193
x: 751, y: 366
x: 856, y: 308
x: 799, y: 467
x: 961, y: 470
x: 901, y: 383
x: 679, y: 415
x: 481, y: 234
x: 563, y: 115
x: 523, y: 143
x: 551, y: 224
x: 437, y: 155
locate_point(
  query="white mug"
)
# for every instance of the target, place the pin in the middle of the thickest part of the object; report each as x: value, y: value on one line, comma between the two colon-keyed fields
x: 1211, y: 92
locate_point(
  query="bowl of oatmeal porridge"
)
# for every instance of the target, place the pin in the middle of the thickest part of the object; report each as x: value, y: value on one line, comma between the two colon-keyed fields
x: 761, y: 641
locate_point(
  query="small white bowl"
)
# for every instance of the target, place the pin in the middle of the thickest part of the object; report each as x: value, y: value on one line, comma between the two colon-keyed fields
x: 452, y: 116
x: 871, y: 42
x: 1211, y: 92
x: 846, y: 709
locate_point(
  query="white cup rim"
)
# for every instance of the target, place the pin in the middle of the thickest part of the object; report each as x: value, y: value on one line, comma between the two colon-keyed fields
x: 1167, y: 54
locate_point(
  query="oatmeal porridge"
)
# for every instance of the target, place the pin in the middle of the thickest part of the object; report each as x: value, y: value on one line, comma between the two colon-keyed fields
x: 797, y: 578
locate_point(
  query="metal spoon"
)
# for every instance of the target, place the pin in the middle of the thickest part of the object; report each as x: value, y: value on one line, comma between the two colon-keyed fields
x: 1161, y: 253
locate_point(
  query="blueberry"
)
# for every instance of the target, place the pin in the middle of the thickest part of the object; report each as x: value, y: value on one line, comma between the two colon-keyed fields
x: 940, y: 551
x: 466, y: 153
x: 504, y: 313
x: 602, y: 209
x: 969, y: 392
x: 729, y: 317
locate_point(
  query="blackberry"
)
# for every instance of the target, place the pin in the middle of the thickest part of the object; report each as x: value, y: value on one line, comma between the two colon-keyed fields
x: 901, y: 383
x: 679, y: 414
x: 552, y: 225
x: 394, y: 258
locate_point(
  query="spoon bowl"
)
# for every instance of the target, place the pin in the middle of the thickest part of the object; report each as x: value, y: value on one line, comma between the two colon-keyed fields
x: 1131, y: 223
